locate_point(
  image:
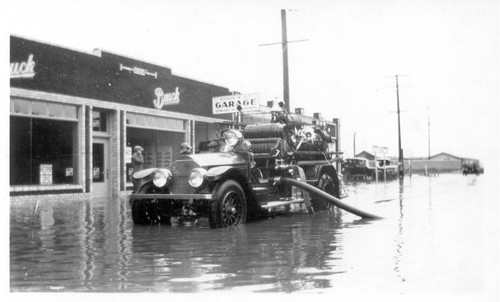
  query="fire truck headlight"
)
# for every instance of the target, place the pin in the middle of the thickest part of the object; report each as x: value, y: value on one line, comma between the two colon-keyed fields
x: 197, y: 177
x: 233, y: 137
x: 161, y: 178
x: 246, y: 145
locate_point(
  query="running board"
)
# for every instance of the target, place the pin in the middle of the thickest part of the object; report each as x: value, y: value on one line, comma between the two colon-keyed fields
x: 274, y: 204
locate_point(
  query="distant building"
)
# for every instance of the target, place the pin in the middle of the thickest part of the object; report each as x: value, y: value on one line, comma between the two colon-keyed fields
x: 445, y: 157
x: 441, y: 162
x: 366, y: 155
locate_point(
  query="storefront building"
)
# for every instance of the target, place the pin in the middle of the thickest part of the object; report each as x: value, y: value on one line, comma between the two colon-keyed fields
x: 75, y: 117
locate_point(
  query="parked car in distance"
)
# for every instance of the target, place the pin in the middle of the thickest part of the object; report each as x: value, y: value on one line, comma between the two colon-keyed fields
x: 386, y: 168
x: 471, y: 166
x: 358, y: 168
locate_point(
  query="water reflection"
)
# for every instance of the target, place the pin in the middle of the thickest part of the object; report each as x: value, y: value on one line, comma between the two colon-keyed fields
x: 399, y: 239
x: 275, y: 254
x: 93, y: 246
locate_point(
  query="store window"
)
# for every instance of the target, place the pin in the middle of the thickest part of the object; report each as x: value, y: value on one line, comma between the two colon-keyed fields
x: 43, y: 151
x: 42, y: 109
x: 159, y: 136
x: 99, y: 121
x: 155, y: 122
x: 159, y: 147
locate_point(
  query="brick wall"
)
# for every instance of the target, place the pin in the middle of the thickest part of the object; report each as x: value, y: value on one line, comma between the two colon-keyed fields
x: 81, y: 145
x: 115, y: 152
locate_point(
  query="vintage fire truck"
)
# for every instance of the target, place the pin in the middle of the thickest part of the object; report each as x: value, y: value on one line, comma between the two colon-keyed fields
x: 267, y: 165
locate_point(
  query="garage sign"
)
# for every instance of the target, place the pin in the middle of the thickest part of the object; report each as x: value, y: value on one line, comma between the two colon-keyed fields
x: 231, y: 103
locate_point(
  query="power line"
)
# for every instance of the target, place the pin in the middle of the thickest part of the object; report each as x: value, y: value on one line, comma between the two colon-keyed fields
x: 293, y: 41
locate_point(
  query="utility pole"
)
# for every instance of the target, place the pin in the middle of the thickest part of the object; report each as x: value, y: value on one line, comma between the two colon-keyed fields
x: 400, y: 158
x: 429, y: 131
x: 284, y: 49
x: 354, y: 145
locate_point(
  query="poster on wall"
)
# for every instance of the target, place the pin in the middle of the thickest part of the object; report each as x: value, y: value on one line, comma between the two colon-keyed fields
x: 45, y: 174
x: 128, y: 155
x: 149, y: 157
x: 165, y: 156
x: 96, y: 173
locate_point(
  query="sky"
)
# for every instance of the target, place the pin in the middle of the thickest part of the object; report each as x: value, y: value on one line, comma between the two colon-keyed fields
x: 446, y: 53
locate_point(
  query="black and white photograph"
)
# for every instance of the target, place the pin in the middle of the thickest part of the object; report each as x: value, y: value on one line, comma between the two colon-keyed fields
x: 221, y: 150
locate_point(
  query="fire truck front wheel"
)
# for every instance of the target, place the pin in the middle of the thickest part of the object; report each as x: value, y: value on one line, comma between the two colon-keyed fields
x: 229, y: 205
x: 150, y: 211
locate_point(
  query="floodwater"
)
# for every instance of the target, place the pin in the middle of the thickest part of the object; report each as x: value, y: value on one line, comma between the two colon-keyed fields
x: 439, y: 235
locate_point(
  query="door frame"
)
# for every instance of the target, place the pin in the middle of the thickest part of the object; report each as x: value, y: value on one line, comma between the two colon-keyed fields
x: 103, y: 189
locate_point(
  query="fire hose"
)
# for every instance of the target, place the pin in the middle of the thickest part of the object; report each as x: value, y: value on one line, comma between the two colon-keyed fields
x: 335, y: 201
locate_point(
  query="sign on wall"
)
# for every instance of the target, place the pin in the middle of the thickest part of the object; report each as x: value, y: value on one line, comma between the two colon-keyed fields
x: 45, y: 174
x: 230, y: 103
x: 128, y: 81
x: 25, y: 69
x: 128, y: 155
x: 165, y: 99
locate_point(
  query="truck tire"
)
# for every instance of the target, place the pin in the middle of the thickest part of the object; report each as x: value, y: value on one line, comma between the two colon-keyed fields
x: 150, y: 211
x: 139, y: 212
x: 229, y: 205
x: 327, y: 184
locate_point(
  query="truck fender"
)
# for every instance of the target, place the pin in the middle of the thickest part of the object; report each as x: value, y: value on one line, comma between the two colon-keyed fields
x: 144, y: 173
x: 145, y: 176
x: 217, y: 172
x: 253, y: 206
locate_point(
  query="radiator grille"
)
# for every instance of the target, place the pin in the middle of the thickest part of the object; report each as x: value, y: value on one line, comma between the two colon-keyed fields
x: 180, y: 176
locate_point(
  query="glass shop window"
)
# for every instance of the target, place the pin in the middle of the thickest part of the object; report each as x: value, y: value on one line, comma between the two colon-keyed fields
x: 43, y: 151
x: 99, y: 121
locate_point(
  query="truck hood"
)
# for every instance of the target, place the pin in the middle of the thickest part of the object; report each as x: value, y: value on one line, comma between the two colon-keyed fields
x: 183, y: 166
x: 214, y: 159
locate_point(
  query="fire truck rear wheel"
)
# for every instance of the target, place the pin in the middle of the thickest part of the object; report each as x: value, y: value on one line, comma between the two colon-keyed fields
x: 327, y: 185
x: 229, y: 205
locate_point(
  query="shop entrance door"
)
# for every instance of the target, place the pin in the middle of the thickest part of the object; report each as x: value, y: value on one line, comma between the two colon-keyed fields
x: 101, y: 180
